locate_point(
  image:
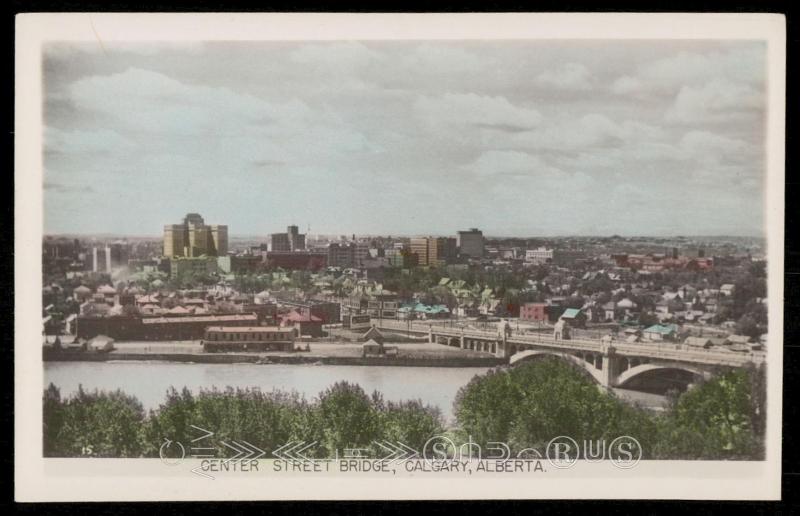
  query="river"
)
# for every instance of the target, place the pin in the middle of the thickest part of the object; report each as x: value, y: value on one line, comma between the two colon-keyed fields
x: 149, y: 380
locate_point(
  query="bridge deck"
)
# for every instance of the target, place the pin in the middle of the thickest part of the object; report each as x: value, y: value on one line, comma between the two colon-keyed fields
x: 655, y: 350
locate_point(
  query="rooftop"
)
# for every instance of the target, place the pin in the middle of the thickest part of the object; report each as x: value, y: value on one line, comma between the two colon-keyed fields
x: 248, y: 329
x: 197, y: 319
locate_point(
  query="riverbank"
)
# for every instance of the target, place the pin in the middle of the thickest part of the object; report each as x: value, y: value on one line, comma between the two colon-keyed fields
x: 323, y: 353
x: 298, y: 358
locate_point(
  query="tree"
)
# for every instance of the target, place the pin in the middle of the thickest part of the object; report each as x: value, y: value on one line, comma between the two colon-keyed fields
x: 719, y: 419
x: 347, y: 418
x: 53, y: 419
x: 528, y: 405
x: 410, y: 423
x: 97, y: 424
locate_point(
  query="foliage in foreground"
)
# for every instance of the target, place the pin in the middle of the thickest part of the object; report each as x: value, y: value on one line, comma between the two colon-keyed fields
x: 523, y: 407
x: 103, y: 424
x: 528, y: 405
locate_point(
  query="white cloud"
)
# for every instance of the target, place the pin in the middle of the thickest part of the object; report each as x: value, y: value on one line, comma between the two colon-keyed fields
x: 297, y: 128
x: 87, y: 141
x: 498, y: 163
x: 739, y: 65
x: 590, y: 130
x: 337, y: 57
x: 470, y: 109
x: 715, y: 101
x: 627, y: 85
x: 569, y: 76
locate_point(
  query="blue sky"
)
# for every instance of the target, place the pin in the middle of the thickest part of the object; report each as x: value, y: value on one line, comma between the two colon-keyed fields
x: 517, y: 138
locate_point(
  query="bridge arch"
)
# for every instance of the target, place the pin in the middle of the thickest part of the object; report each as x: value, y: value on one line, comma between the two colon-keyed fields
x: 532, y: 354
x: 638, y: 372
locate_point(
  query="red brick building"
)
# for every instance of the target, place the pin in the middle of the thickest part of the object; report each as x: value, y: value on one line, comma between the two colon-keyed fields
x: 533, y: 312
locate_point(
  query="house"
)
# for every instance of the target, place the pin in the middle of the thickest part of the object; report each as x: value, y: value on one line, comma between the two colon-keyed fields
x: 431, y: 311
x: 107, y: 291
x: 627, y: 305
x: 179, y: 310
x: 609, y: 311
x: 372, y: 347
x: 698, y: 342
x: 738, y: 339
x: 533, y: 312
x: 662, y: 308
x: 81, y: 293
x: 727, y: 289
x: 100, y: 343
x: 304, y: 324
x: 574, y: 316
x: 660, y: 332
x: 373, y: 334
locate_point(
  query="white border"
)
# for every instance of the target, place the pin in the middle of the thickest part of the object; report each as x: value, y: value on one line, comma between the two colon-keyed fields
x: 37, y: 479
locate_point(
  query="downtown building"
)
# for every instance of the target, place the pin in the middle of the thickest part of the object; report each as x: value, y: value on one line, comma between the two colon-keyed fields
x: 434, y: 251
x: 110, y: 256
x: 290, y: 241
x: 347, y: 254
x: 194, y: 238
x: 470, y: 243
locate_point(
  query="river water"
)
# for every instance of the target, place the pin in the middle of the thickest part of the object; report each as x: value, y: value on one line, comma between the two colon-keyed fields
x: 149, y: 381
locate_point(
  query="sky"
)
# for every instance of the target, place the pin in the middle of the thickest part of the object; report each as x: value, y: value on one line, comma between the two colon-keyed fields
x: 518, y: 138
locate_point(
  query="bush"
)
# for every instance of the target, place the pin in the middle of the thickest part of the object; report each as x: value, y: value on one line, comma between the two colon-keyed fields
x: 267, y: 420
x: 719, y: 419
x: 524, y: 407
x: 527, y: 406
x: 96, y: 424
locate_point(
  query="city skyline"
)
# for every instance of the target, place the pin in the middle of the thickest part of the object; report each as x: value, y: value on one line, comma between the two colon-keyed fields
x: 413, y: 138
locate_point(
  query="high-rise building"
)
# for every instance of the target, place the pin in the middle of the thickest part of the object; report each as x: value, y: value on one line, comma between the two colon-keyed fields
x: 292, y: 240
x: 194, y: 238
x: 174, y: 240
x: 101, y: 259
x: 218, y: 243
x: 419, y: 246
x: 447, y: 250
x: 432, y: 251
x: 297, y: 241
x: 539, y: 256
x: 279, y: 242
x: 470, y: 243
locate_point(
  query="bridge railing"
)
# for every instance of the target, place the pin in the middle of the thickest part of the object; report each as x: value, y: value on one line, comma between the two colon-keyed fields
x: 662, y: 351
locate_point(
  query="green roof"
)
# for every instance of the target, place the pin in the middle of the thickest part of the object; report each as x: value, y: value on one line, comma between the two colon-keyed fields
x: 663, y: 329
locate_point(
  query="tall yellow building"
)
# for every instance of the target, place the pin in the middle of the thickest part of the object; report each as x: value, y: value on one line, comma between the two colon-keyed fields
x: 434, y: 251
x: 194, y: 238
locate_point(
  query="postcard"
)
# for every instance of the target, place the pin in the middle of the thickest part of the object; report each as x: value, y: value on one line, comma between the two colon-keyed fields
x: 399, y: 256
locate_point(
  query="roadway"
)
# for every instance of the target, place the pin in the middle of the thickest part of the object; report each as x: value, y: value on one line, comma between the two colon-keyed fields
x: 662, y: 351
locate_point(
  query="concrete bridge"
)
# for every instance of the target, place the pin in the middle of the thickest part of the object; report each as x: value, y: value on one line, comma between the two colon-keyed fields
x: 611, y: 363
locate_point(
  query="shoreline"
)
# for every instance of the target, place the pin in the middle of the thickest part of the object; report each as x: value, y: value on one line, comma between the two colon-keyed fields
x: 251, y: 358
